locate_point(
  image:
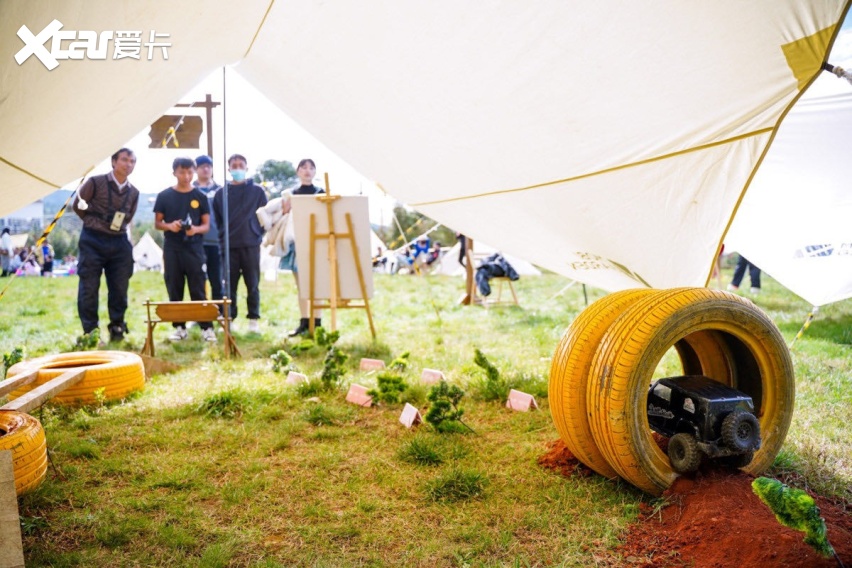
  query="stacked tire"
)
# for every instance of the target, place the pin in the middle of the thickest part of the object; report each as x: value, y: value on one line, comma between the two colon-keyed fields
x: 23, y: 435
x: 605, y: 362
x: 110, y: 375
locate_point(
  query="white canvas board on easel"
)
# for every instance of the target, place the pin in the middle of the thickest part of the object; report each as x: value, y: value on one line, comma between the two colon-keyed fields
x: 349, y: 288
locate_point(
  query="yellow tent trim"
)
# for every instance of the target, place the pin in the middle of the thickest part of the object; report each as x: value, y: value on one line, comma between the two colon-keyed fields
x: 598, y: 173
x: 805, y: 55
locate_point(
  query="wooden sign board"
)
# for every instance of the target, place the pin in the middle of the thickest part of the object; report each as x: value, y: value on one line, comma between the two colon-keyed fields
x: 349, y: 287
x: 431, y: 376
x: 520, y: 401
x: 358, y: 395
x: 372, y: 364
x: 294, y: 378
x: 11, y: 547
x: 410, y: 416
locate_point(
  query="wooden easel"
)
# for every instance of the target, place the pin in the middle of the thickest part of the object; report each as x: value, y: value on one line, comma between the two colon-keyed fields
x: 470, y: 296
x: 335, y: 302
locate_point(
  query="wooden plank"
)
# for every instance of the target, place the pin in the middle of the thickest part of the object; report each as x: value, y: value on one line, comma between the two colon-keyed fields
x: 186, y: 311
x: 41, y: 394
x: 11, y: 547
x: 12, y: 383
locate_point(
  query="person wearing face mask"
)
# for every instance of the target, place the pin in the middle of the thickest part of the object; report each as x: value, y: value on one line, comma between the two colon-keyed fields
x: 306, y: 171
x: 245, y: 234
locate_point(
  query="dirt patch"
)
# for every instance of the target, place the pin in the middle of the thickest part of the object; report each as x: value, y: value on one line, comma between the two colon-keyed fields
x: 714, y: 520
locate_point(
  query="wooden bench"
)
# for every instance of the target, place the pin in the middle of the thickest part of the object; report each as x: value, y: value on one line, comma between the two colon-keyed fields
x: 201, y: 310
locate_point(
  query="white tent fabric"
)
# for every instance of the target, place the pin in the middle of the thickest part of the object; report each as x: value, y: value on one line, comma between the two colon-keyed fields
x: 794, y: 221
x: 607, y: 141
x: 147, y: 254
x: 451, y: 266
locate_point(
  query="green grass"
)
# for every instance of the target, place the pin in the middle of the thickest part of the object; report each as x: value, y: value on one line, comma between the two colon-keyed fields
x: 222, y: 464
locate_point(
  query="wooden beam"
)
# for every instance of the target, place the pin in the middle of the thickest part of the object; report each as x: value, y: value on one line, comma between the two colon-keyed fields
x: 12, y: 383
x: 42, y: 393
x: 11, y: 547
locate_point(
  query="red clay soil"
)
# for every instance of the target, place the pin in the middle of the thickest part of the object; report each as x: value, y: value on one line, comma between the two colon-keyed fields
x: 714, y: 520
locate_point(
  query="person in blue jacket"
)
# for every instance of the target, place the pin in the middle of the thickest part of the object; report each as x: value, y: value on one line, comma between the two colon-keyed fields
x: 244, y: 234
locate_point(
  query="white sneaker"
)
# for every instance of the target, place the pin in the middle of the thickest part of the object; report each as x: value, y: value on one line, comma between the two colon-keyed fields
x: 179, y: 334
x: 208, y: 334
x: 755, y: 291
x: 253, y: 326
x: 733, y: 288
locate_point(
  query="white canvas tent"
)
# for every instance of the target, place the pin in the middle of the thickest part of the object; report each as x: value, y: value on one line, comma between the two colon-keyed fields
x: 451, y: 266
x: 610, y: 142
x: 147, y: 254
x: 794, y: 222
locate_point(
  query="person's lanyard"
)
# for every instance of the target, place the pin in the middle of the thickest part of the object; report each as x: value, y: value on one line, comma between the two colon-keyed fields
x: 109, y: 198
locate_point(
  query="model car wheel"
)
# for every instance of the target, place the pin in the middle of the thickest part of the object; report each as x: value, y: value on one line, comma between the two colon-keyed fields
x: 748, y: 353
x: 736, y: 461
x: 569, y: 372
x: 684, y: 453
x: 741, y: 431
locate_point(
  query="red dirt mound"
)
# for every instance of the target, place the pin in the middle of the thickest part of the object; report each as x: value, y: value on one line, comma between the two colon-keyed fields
x: 714, y: 520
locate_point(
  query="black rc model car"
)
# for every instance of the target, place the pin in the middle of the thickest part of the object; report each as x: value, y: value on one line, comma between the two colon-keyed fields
x: 703, y: 416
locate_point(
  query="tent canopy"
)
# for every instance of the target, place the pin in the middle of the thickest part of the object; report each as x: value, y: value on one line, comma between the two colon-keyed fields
x: 610, y: 142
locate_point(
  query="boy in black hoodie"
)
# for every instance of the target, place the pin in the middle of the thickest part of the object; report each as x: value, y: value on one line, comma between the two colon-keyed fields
x: 244, y: 235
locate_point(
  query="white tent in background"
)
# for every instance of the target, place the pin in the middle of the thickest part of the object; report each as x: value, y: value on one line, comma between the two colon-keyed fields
x: 451, y: 266
x: 794, y: 221
x: 147, y: 254
x: 609, y: 142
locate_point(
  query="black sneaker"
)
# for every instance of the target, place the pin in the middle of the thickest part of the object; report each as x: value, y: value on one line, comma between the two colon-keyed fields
x: 116, y: 332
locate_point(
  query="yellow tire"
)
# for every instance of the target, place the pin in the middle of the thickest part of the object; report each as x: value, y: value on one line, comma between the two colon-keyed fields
x: 23, y: 435
x: 727, y: 338
x: 569, y: 371
x: 118, y: 373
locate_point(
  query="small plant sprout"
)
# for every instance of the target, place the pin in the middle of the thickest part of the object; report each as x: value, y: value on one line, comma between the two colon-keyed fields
x: 493, y: 388
x: 281, y: 361
x: 390, y: 387
x: 795, y: 509
x: 88, y: 341
x: 326, y: 338
x: 444, y: 413
x: 400, y: 364
x: 13, y: 357
x: 332, y: 367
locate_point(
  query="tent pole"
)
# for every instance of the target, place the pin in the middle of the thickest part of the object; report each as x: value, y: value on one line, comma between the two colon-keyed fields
x: 226, y: 254
x: 805, y: 325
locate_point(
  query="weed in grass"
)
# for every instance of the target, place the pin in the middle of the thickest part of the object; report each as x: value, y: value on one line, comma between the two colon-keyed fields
x: 332, y: 367
x: 416, y: 394
x: 321, y: 415
x: 390, y: 386
x: 12, y: 357
x: 421, y: 451
x: 400, y: 363
x: 82, y: 420
x: 217, y: 555
x: 228, y: 404
x: 325, y: 338
x: 88, y: 341
x: 176, y: 537
x: 444, y: 414
x: 311, y: 387
x: 493, y: 387
x: 456, y: 484
x: 281, y: 361
x: 31, y: 525
x: 85, y: 449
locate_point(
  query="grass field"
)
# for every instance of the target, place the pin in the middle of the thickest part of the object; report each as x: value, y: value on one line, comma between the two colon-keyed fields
x: 221, y: 464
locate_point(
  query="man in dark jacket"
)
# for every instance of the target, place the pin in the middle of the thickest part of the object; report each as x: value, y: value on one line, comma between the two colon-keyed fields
x: 244, y: 235
x: 106, y: 204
